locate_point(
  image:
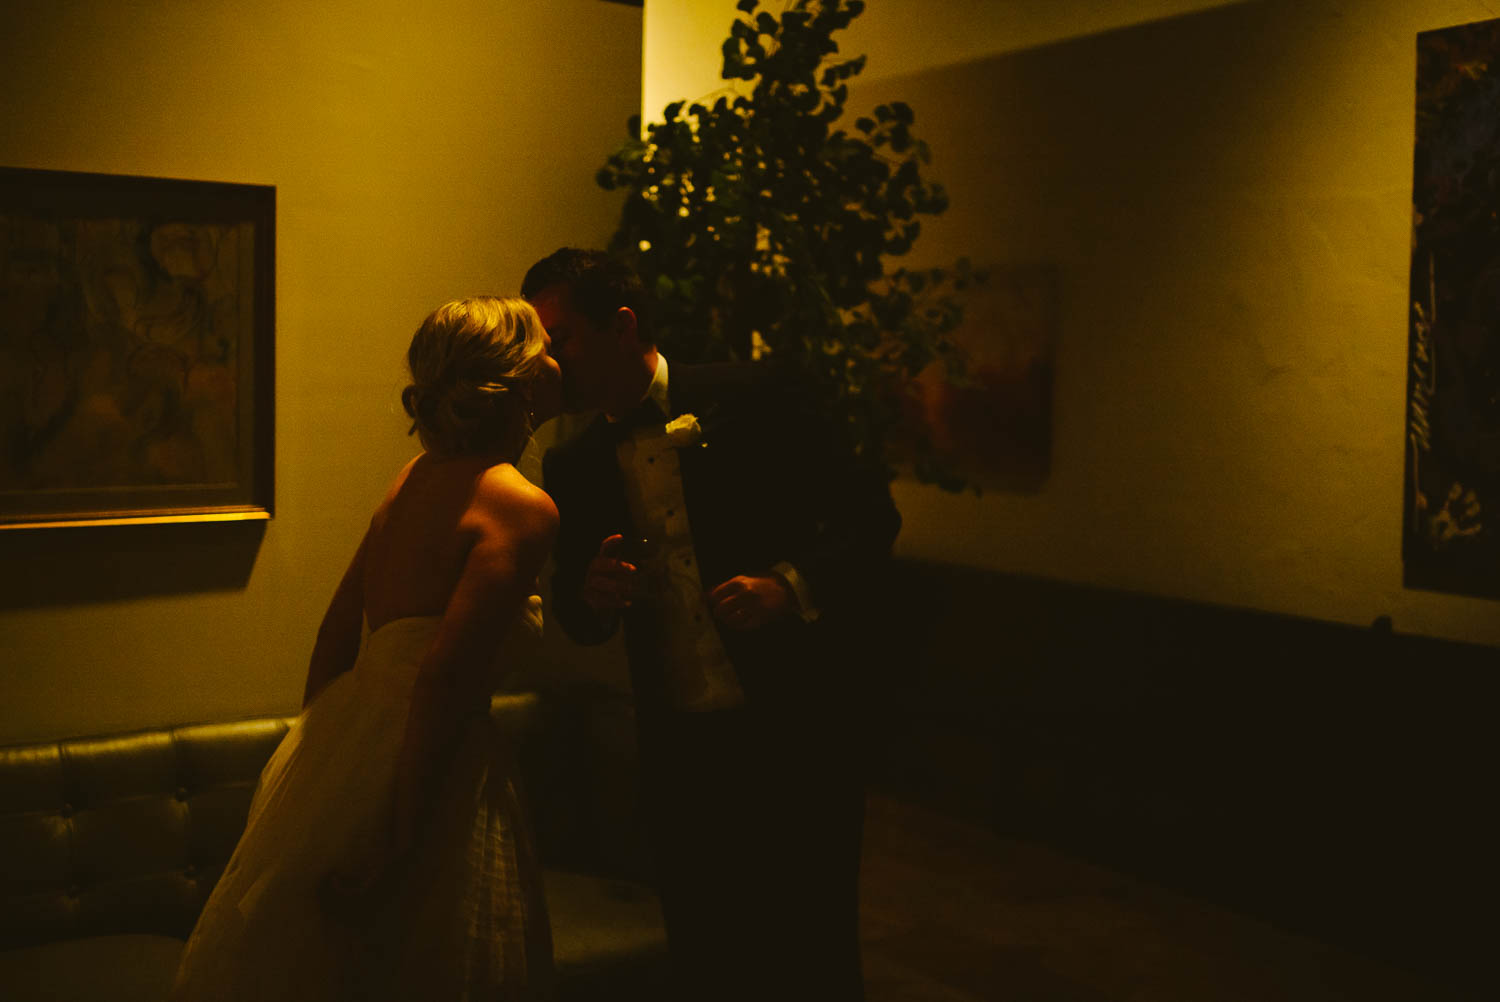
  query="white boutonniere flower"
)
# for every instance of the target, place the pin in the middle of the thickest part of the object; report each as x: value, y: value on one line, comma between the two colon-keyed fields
x: 684, y: 431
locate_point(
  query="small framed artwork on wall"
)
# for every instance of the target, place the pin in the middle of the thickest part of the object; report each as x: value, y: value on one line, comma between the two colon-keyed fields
x: 996, y: 425
x: 1452, y: 508
x: 136, y: 349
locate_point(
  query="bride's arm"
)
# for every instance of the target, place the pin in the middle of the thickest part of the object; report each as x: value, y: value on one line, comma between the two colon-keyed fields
x: 512, y: 524
x: 338, y: 635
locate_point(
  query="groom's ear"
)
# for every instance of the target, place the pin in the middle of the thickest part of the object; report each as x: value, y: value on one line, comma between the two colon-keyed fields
x: 624, y: 326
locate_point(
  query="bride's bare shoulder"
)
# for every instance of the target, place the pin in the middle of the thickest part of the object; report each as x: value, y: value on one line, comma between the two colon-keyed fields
x: 383, y: 508
x: 509, y: 499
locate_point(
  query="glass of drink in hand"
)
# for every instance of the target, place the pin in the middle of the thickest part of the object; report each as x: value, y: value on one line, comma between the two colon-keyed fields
x: 645, y: 554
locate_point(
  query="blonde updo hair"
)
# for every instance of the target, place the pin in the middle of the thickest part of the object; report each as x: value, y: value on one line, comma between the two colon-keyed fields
x: 471, y: 364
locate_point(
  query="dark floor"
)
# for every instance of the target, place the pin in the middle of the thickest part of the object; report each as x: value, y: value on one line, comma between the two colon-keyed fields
x: 953, y: 913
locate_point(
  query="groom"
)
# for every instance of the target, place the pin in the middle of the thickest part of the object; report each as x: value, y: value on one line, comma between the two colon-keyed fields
x: 716, y: 515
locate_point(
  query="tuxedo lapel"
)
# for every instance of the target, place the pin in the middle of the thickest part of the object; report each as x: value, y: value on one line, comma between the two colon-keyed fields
x: 715, y: 471
x: 597, y: 443
x: 689, y: 393
x: 686, y: 390
x: 598, y: 487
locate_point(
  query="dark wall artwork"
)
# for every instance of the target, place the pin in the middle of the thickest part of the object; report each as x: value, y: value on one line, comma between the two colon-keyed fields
x: 997, y: 424
x: 135, y: 349
x: 1452, y: 508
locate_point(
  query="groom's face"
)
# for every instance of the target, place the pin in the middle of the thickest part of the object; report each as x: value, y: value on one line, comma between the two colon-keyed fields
x: 587, y: 353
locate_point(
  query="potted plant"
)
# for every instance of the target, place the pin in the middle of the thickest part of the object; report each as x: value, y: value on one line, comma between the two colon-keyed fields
x: 766, y: 230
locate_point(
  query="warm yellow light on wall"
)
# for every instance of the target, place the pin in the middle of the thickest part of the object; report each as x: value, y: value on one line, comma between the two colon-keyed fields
x: 681, y: 38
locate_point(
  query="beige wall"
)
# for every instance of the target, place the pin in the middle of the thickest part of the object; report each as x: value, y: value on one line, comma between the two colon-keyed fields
x: 420, y: 152
x: 1225, y: 191
x: 682, y: 37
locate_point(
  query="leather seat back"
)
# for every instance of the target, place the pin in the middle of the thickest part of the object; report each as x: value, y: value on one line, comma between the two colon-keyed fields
x: 126, y: 833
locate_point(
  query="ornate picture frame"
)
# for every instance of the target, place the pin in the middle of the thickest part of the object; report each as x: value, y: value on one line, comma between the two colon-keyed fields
x: 1451, y: 537
x: 136, y: 349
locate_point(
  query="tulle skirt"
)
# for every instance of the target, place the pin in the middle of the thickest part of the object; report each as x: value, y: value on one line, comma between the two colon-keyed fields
x: 463, y: 917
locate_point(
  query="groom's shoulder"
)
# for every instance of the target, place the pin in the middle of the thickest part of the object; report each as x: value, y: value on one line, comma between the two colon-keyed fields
x: 728, y: 384
x: 712, y: 374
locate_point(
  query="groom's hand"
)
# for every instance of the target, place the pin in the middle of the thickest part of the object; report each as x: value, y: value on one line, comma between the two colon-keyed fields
x: 607, y: 583
x: 748, y: 603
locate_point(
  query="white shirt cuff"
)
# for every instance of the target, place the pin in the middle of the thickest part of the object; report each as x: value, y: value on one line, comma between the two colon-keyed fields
x: 800, y: 591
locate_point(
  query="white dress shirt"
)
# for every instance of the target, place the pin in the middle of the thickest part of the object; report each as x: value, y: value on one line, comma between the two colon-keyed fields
x: 699, y: 674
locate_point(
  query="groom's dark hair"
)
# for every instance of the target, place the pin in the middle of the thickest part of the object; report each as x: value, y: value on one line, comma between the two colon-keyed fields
x: 598, y: 284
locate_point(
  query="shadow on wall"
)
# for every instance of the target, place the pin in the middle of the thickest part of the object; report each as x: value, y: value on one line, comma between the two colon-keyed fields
x: 1098, y: 151
x: 66, y: 566
x: 1077, y: 182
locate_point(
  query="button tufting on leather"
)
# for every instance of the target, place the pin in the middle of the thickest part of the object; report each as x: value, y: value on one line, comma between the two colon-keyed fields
x: 182, y: 793
x: 191, y: 872
x: 67, y: 810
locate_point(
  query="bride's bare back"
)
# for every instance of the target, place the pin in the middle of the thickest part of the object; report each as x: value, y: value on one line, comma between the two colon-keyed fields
x: 421, y: 535
x: 459, y: 537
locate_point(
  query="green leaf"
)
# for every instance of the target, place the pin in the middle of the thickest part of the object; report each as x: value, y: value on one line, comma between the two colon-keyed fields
x: 864, y: 125
x: 733, y: 61
x: 747, y: 5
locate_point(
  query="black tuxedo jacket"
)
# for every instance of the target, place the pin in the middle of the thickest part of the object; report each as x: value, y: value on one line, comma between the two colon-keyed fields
x: 769, y: 482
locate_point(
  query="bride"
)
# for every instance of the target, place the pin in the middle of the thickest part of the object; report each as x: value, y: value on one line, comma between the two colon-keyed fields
x: 385, y: 855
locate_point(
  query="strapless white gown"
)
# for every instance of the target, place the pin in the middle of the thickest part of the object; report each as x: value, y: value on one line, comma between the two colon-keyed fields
x: 467, y: 918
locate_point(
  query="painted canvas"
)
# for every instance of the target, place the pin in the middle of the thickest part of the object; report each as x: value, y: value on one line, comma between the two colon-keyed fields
x: 135, y: 341
x: 996, y: 425
x: 1452, y: 505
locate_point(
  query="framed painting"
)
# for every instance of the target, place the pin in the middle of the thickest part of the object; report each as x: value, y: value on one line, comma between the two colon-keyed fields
x: 996, y: 427
x: 1452, y: 506
x: 136, y: 349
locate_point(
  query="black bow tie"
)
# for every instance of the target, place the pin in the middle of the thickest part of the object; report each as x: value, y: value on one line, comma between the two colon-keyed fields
x: 642, y: 415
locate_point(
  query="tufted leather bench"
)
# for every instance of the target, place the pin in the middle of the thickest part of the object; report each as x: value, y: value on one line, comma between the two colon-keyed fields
x: 109, y: 847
